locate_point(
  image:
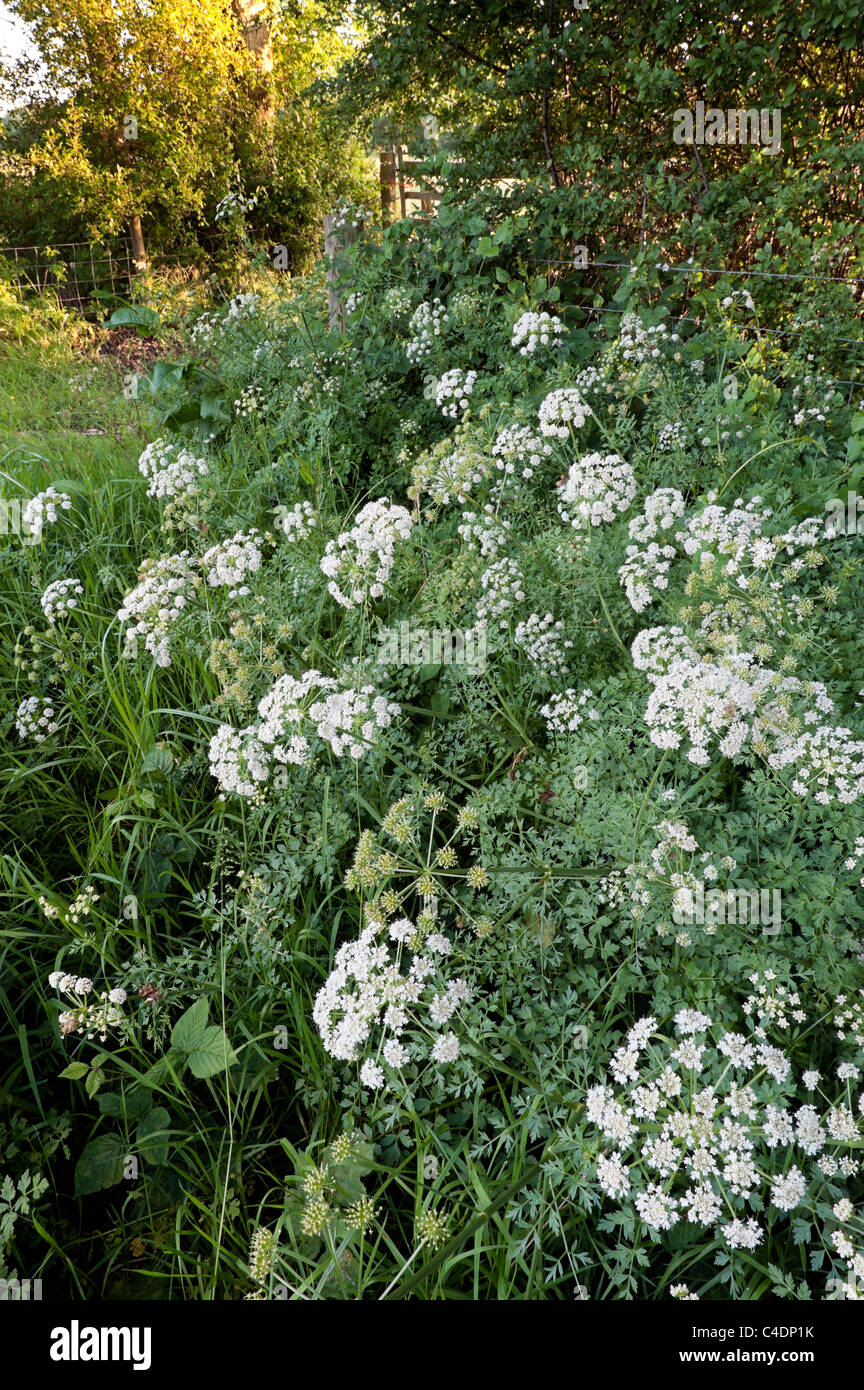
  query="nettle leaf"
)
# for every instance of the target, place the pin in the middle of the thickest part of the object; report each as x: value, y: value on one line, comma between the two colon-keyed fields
x: 157, y: 759
x: 213, y: 1054
x: 100, y: 1165
x: 190, y: 1028
x: 132, y: 1107
x: 150, y: 1136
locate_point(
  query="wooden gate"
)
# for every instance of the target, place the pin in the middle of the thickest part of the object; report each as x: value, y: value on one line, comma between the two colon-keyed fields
x: 398, y: 186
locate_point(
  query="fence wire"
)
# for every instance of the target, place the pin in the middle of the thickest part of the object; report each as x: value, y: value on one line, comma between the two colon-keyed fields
x: 75, y: 271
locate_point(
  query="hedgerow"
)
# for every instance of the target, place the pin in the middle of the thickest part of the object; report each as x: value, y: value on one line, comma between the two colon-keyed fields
x: 434, y: 784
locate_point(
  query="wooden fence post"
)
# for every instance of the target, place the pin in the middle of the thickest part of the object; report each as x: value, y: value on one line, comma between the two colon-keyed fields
x: 335, y: 240
x: 387, y: 180
x: 136, y: 236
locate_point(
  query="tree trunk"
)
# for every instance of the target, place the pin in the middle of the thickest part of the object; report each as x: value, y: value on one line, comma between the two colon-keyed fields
x: 136, y: 236
x: 259, y: 42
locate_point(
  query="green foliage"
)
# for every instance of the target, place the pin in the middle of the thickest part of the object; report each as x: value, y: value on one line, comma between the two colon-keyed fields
x: 553, y: 126
x: 178, y: 848
x: 162, y: 112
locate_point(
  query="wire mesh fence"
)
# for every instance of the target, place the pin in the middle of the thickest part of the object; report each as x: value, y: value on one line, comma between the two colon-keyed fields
x: 77, y: 272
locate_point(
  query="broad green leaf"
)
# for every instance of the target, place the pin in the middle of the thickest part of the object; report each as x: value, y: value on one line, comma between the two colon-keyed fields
x: 75, y: 1071
x: 100, y: 1165
x: 157, y: 760
x: 132, y: 1107
x: 150, y: 1136
x: 212, y: 1054
x: 95, y: 1079
x: 136, y: 316
x: 190, y: 1028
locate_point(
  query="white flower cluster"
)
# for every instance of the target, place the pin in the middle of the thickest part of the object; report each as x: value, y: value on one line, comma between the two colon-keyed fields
x: 828, y: 763
x: 647, y: 567
x: 593, y: 381
x: 349, y: 214
x: 517, y: 446
x: 677, y: 865
x: 745, y: 297
x: 731, y: 700
x: 659, y: 513
x: 387, y: 992
x: 702, y: 1128
x: 706, y: 701
x: 206, y: 329
x: 453, y: 391
x: 242, y: 308
x: 171, y: 470
x: 773, y: 1005
x: 348, y: 719
x: 673, y: 436
x: 156, y: 602
x: 234, y: 205
x: 45, y: 506
x: 230, y: 561
x: 61, y: 598
x: 90, y: 1020
x: 562, y: 411
x: 250, y: 403
x: 299, y: 522
x: 536, y: 330
x: 487, y: 532
x: 730, y: 549
x: 729, y: 531
x: 81, y: 905
x: 209, y: 327
x: 598, y: 488
x: 363, y: 557
x: 262, y: 1254
x: 463, y: 305
x: 70, y: 984
x: 655, y: 648
x: 543, y: 642
x: 639, y: 343
x: 448, y: 474
x: 397, y: 301
x: 849, y: 1018
x: 35, y: 719
x: 565, y: 712
x: 502, y: 588
x: 240, y: 762
x: 427, y: 323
